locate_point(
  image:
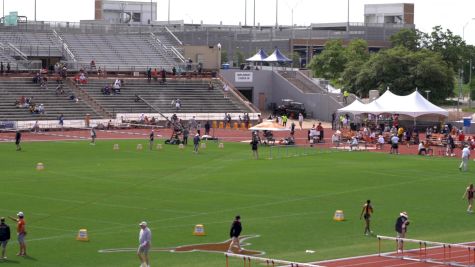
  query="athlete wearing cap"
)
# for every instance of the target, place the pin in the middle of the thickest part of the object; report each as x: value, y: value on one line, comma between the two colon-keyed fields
x: 401, y: 228
x: 21, y: 232
x: 145, y: 241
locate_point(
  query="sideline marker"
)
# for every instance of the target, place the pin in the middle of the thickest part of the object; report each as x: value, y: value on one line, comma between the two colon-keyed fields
x: 203, y: 145
x: 139, y: 147
x: 40, y: 166
x: 339, y: 216
x: 115, y: 147
x: 221, y: 145
x: 82, y: 235
x: 159, y: 146
x: 199, y: 230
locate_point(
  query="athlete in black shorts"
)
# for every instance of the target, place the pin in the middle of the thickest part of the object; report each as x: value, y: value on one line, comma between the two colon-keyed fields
x: 366, y: 213
x: 234, y: 233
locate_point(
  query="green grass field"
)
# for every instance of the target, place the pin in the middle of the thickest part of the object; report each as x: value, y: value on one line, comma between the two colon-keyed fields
x: 289, y: 202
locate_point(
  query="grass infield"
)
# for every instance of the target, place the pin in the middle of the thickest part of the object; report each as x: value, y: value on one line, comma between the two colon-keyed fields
x: 289, y: 202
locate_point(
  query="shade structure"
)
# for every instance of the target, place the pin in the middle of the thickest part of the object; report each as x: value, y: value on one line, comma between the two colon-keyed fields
x: 277, y: 56
x: 413, y: 105
x: 269, y: 126
x: 258, y: 57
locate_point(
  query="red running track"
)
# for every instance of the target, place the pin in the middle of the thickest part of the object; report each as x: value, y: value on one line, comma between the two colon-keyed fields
x: 412, y: 258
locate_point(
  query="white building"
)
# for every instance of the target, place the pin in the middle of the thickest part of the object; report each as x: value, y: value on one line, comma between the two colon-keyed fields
x: 389, y: 13
x: 126, y: 12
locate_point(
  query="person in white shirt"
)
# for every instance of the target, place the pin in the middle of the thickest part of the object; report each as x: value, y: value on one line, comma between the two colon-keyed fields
x: 421, y: 149
x: 354, y: 143
x: 300, y: 120
x: 380, y: 142
x: 145, y: 241
x: 465, y: 157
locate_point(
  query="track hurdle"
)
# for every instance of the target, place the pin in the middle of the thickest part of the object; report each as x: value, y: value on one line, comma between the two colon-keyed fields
x: 247, y: 260
x: 431, y: 252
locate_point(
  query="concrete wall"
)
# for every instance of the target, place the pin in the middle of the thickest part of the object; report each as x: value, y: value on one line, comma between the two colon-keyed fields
x: 276, y: 88
x: 209, y: 56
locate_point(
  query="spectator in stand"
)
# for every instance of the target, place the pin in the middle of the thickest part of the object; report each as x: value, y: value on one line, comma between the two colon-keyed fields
x: 174, y: 71
x: 155, y: 74
x: 82, y: 78
x: 226, y: 90
x: 210, y: 86
x: 163, y: 74
x: 178, y: 104
x: 37, y: 78
x: 1, y: 68
x: 149, y: 74
x: 92, y: 65
x: 117, y: 85
x: 59, y: 90
x: 8, y: 67
x: 106, y: 90
x: 41, y: 109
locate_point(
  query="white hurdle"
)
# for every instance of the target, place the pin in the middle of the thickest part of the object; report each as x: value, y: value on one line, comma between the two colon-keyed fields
x: 447, y: 254
x: 268, y: 262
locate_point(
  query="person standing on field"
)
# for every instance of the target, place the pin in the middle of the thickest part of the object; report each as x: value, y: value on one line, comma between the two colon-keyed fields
x: 301, y: 120
x: 93, y: 136
x: 196, y: 143
x: 4, y: 237
x: 235, y: 232
x: 465, y: 158
x: 469, y: 195
x: 254, y: 145
x: 366, y: 213
x: 18, y: 140
x: 151, y: 139
x: 145, y: 241
x: 401, y: 229
x: 21, y: 232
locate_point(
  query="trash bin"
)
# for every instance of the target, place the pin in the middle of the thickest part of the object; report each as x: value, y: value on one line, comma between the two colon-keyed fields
x: 467, y: 121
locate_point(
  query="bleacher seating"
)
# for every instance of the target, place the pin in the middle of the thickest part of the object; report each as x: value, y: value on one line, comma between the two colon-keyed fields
x: 113, y: 51
x: 32, y: 43
x: 12, y: 89
x: 194, y: 95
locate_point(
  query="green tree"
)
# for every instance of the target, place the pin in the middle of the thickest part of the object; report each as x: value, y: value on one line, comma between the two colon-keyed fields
x: 450, y: 46
x: 357, y: 50
x: 329, y: 64
x: 403, y: 71
x: 224, y: 57
x: 408, y: 38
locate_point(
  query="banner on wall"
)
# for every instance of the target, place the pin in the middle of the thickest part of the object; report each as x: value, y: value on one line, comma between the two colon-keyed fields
x: 243, y: 77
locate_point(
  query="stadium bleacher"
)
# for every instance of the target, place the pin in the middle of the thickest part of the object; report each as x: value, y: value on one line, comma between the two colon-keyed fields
x: 194, y: 95
x: 12, y: 89
x: 113, y: 51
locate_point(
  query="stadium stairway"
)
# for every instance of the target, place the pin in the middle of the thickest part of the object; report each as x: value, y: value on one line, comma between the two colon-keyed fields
x: 11, y: 89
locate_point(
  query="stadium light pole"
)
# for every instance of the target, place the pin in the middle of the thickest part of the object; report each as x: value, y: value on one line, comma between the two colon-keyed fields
x: 254, y: 24
x: 276, y: 13
x: 168, y: 11
x: 245, y: 12
x: 35, y: 10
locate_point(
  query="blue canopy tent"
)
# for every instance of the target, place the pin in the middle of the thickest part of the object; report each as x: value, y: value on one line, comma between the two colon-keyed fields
x: 277, y: 56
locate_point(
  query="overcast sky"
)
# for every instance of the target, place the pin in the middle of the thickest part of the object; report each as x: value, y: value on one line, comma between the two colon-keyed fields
x: 453, y: 14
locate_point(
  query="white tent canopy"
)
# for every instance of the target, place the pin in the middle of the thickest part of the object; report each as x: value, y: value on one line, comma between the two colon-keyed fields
x: 269, y: 126
x: 413, y: 105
